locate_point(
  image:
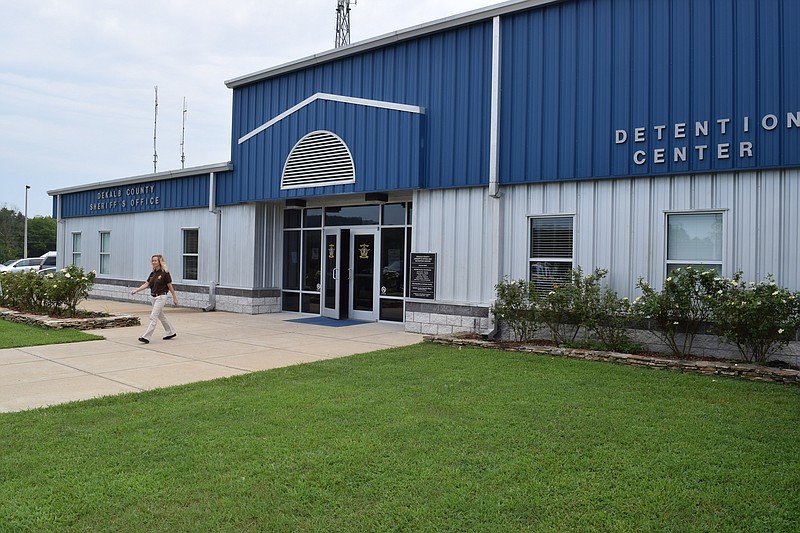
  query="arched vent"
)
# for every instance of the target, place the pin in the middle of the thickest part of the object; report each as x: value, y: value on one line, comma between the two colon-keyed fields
x: 318, y: 159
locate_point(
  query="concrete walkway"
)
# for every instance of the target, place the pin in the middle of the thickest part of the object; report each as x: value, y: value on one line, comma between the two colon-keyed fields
x: 208, y: 346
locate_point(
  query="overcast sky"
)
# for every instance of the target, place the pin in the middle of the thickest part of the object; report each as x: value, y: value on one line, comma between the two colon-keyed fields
x: 77, y: 78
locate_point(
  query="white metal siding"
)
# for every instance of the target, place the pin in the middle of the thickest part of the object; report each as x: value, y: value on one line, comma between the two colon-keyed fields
x: 619, y: 225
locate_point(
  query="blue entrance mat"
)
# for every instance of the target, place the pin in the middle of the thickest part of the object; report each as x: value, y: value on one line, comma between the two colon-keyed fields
x: 325, y: 321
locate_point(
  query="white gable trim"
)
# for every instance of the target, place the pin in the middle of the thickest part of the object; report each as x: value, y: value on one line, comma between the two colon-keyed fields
x: 333, y: 98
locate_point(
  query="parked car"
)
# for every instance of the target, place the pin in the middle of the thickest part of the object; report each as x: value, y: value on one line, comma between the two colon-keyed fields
x: 47, y: 270
x: 48, y: 260
x: 20, y: 265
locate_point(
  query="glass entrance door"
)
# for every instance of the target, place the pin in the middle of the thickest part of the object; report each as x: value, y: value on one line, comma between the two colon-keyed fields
x: 350, y: 287
x: 363, y: 282
x: 332, y: 270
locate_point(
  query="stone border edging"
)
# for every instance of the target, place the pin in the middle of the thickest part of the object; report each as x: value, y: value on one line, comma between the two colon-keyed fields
x: 100, y: 322
x: 704, y: 367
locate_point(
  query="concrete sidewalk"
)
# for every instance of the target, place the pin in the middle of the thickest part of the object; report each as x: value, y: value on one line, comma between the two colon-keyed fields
x: 208, y: 346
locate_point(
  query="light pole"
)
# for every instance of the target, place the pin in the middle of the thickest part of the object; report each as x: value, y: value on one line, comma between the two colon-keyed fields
x: 25, y: 256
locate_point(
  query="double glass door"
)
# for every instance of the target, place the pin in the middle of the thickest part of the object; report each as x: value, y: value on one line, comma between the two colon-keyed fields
x: 350, y: 286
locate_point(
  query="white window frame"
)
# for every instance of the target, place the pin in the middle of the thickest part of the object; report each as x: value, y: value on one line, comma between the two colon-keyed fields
x: 76, y: 253
x: 671, y: 264
x: 570, y: 261
x: 104, y: 253
x: 185, y: 254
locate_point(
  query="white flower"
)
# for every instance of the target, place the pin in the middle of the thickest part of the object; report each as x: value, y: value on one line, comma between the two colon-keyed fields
x: 780, y: 331
x: 675, y: 323
x: 669, y: 278
x: 719, y: 291
x: 733, y: 282
x: 67, y: 275
x: 776, y: 293
x: 624, y: 299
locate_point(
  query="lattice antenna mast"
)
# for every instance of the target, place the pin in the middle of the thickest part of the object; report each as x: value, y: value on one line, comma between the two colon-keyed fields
x: 343, y: 22
x: 155, y: 129
x: 183, y: 133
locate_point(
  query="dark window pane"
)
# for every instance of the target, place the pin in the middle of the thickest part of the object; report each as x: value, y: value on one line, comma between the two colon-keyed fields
x: 394, y: 215
x: 551, y: 237
x: 291, y: 301
x: 291, y: 259
x: 358, y: 215
x: 311, y: 260
x: 291, y: 218
x: 363, y: 272
x: 312, y: 218
x: 393, y: 262
x: 190, y: 241
x: 391, y: 310
x: 310, y: 303
x: 545, y: 274
x: 189, y: 267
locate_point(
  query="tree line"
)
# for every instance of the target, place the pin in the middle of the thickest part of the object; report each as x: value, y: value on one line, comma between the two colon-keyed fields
x: 41, y: 235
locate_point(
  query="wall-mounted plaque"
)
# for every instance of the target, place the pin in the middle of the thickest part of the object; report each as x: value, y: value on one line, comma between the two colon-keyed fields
x: 423, y: 276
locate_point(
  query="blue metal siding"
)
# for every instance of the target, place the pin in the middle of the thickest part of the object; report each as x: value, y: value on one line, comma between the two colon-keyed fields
x: 158, y: 195
x: 447, y: 73
x: 575, y: 72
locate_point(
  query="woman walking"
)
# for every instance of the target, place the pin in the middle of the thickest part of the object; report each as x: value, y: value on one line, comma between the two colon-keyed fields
x: 160, y: 283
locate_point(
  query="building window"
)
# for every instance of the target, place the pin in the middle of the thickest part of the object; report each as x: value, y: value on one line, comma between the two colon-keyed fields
x: 190, y: 253
x: 550, y: 259
x: 694, y: 239
x: 105, y: 252
x: 76, y: 249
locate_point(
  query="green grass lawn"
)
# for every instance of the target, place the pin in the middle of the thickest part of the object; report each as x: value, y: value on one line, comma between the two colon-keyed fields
x: 13, y: 335
x: 421, y: 438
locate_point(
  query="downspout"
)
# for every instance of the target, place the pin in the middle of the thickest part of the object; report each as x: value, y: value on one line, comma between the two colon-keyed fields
x: 212, y: 207
x: 495, y: 195
x: 60, y: 228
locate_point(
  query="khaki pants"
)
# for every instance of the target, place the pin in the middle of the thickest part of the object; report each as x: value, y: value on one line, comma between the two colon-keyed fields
x: 158, y: 314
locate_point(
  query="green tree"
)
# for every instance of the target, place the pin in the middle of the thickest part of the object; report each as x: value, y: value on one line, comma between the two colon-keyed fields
x: 11, y: 234
x: 41, y: 235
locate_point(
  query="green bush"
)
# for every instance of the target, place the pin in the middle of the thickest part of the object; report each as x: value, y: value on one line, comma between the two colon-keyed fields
x: 517, y: 306
x: 758, y: 318
x: 609, y: 320
x: 55, y: 294
x: 677, y: 312
x: 572, y: 305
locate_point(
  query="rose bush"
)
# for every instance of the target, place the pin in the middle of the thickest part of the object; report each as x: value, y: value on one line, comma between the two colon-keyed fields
x: 758, y: 318
x: 57, y: 294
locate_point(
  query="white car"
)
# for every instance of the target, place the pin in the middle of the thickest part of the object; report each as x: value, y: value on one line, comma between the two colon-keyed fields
x: 20, y: 265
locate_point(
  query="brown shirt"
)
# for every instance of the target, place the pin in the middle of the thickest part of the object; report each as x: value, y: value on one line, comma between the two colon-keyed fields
x: 158, y: 281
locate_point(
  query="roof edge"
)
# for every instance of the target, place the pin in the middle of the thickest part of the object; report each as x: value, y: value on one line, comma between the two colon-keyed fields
x: 169, y: 174
x: 469, y: 17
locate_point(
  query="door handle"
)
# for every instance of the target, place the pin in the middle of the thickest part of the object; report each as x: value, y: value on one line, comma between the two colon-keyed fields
x: 335, y: 271
x: 349, y: 273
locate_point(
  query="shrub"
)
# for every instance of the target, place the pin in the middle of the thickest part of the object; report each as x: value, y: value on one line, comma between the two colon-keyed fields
x: 609, y: 320
x: 517, y: 306
x: 56, y: 294
x: 572, y: 304
x: 759, y: 318
x: 676, y: 313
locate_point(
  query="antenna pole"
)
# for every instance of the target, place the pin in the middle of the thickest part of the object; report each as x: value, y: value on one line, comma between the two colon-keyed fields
x: 343, y: 22
x: 183, y: 133
x: 155, y: 128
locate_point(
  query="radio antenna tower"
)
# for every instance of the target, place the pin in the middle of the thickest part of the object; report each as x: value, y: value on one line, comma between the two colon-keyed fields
x: 343, y: 22
x: 155, y: 126
x: 183, y: 133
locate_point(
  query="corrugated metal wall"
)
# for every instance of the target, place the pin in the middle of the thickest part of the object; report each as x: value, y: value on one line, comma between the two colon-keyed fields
x: 136, y: 237
x: 619, y: 225
x: 574, y: 73
x: 157, y: 195
x: 446, y: 73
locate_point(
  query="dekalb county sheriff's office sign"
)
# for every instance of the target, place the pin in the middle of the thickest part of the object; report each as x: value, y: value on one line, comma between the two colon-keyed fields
x: 125, y: 198
x: 694, y: 140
